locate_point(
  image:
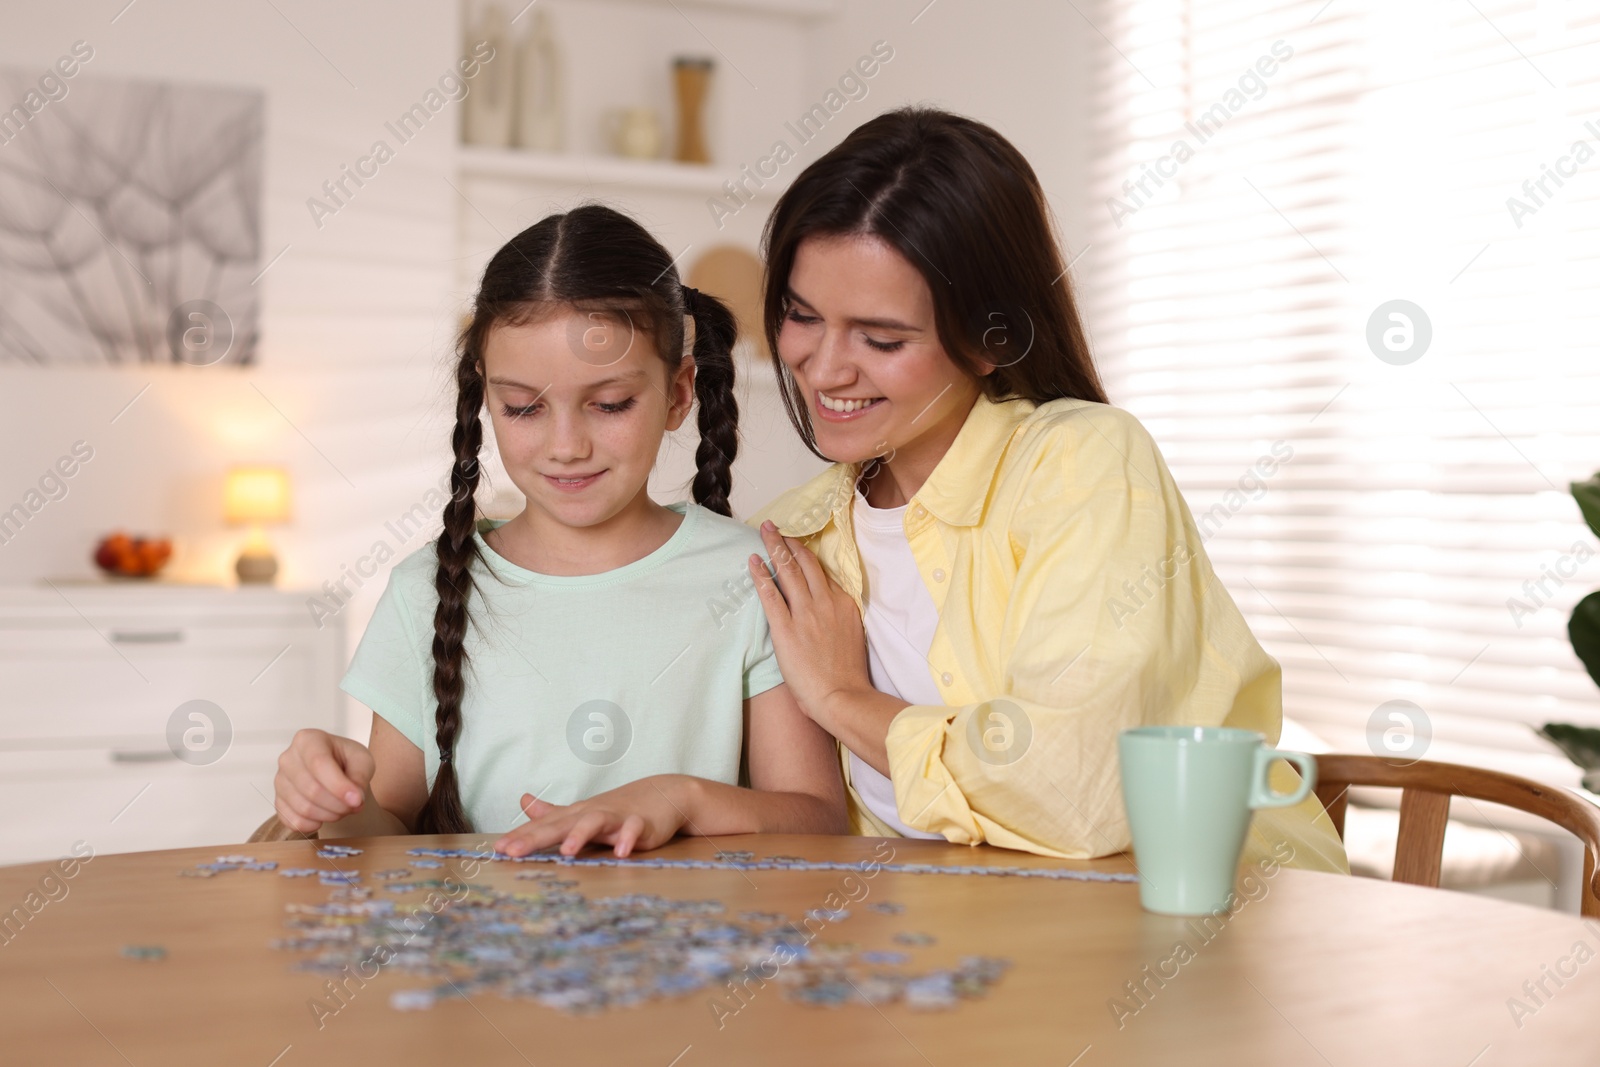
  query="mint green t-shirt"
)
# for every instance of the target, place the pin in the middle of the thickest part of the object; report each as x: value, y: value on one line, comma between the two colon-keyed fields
x: 579, y: 684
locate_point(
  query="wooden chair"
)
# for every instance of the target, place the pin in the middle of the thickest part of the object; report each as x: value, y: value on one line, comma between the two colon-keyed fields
x: 274, y: 830
x: 1426, y: 788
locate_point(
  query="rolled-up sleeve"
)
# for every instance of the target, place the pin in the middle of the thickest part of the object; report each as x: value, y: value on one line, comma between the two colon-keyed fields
x: 1113, y: 618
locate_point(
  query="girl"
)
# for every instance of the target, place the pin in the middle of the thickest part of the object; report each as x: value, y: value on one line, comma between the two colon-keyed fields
x: 582, y: 655
x: 1031, y: 579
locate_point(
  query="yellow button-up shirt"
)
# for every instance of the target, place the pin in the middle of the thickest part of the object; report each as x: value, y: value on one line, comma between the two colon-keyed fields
x: 1075, y: 600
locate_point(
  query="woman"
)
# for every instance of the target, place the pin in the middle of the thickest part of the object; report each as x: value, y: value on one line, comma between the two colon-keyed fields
x: 997, y: 574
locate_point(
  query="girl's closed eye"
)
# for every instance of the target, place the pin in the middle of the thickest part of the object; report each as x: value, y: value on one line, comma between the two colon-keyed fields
x: 794, y: 315
x: 610, y: 409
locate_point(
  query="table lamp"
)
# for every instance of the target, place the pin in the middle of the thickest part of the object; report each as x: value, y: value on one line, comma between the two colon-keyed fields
x: 257, y: 496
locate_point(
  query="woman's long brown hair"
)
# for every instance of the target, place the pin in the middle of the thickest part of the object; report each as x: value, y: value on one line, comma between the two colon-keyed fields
x: 596, y: 261
x: 964, y: 208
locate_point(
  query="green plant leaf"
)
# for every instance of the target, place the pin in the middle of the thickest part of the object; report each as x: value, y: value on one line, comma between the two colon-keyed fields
x: 1584, y: 629
x: 1581, y: 744
x: 1587, y: 494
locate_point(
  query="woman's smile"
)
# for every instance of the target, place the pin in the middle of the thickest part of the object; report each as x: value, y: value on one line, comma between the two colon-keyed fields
x: 844, y: 409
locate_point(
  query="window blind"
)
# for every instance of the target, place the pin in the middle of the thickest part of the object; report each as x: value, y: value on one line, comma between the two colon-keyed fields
x: 1384, y: 497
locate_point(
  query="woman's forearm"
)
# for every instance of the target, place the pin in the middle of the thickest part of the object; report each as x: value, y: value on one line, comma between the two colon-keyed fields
x: 373, y: 820
x: 860, y: 720
x: 711, y: 809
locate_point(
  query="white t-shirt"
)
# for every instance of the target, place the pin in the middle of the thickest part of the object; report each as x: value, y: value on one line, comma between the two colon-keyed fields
x: 900, y: 619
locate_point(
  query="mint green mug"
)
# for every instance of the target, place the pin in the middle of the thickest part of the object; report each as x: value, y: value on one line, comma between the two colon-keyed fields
x: 1189, y: 793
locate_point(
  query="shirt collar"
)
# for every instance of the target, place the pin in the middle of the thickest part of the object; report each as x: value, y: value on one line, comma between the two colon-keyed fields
x: 956, y: 491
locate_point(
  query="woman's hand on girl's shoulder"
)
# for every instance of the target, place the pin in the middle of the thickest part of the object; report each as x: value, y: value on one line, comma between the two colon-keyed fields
x: 321, y: 778
x: 640, y: 815
x: 817, y: 633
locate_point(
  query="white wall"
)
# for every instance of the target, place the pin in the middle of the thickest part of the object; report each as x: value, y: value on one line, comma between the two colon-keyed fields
x: 351, y: 388
x: 355, y: 316
x: 1021, y: 66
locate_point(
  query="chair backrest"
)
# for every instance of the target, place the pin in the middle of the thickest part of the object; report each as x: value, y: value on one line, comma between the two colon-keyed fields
x: 1426, y: 788
x: 274, y: 830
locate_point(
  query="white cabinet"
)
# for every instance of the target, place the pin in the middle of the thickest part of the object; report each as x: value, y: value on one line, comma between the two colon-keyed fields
x: 149, y: 715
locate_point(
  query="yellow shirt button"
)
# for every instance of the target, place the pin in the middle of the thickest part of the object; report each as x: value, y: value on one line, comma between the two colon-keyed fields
x: 938, y: 575
x: 945, y: 678
x: 916, y: 510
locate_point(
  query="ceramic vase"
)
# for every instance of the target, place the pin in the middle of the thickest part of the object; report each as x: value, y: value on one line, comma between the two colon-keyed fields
x: 490, y: 106
x: 539, y: 89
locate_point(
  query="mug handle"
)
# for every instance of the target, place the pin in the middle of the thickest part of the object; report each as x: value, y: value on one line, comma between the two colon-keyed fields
x: 1261, y: 794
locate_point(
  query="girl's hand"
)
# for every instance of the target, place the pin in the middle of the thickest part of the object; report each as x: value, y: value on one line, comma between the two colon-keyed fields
x: 643, y: 814
x: 321, y: 778
x: 816, y: 626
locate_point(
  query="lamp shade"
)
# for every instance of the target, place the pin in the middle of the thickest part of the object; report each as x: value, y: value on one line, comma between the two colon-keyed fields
x: 257, y: 494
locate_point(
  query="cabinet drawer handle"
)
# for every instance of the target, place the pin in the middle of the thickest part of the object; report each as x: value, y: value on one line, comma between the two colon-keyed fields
x: 147, y: 637
x: 144, y: 755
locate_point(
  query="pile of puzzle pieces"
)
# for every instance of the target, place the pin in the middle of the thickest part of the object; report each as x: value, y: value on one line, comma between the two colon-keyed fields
x: 562, y: 949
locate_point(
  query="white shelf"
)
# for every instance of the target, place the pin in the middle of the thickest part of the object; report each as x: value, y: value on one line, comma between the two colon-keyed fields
x: 477, y: 161
x: 801, y: 9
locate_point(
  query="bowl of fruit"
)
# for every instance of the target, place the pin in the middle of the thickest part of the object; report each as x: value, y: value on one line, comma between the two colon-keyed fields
x: 121, y: 556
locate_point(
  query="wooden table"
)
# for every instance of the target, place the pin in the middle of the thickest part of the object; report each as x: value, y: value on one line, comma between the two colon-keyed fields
x: 1317, y: 969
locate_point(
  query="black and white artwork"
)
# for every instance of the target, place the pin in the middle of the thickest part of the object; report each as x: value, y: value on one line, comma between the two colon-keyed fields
x: 130, y: 221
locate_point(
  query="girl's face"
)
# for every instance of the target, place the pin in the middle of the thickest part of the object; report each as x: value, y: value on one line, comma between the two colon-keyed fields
x: 860, y: 327
x: 578, y: 410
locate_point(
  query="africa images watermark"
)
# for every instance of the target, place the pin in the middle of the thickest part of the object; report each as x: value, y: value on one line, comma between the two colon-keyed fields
x: 1152, y: 581
x: 452, y: 86
x: 1551, y: 577
x: 1537, y: 190
x: 52, y: 889
x: 852, y: 85
x: 340, y: 992
x: 738, y: 591
x: 52, y: 88
x: 1142, y: 989
x: 1536, y: 992
x: 786, y: 950
x: 408, y: 524
x: 1252, y: 85
x: 52, y: 487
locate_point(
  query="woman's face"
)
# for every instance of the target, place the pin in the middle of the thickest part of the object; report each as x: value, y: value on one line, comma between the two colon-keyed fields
x: 572, y: 395
x: 860, y: 327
